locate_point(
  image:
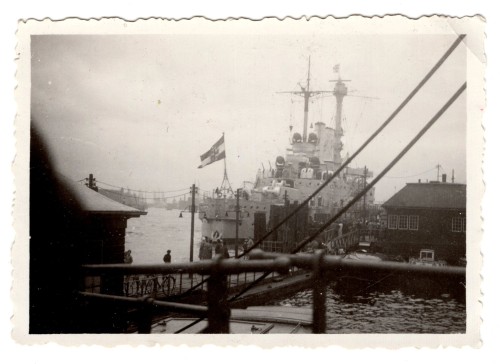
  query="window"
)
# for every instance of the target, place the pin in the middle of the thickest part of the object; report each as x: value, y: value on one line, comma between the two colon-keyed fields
x: 456, y: 224
x: 413, y: 222
x: 427, y: 255
x: 392, y: 222
x: 403, y: 222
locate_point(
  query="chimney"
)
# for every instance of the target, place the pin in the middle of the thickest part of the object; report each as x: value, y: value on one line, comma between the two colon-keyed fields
x: 443, y: 176
x: 419, y: 180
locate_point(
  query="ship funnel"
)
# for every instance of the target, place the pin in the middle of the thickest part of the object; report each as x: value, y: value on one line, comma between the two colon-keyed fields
x: 313, y: 138
x: 443, y: 177
x: 297, y: 138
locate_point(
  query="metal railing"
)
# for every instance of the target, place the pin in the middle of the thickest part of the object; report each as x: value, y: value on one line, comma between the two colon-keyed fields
x: 217, y: 311
x: 344, y: 242
x: 170, y: 285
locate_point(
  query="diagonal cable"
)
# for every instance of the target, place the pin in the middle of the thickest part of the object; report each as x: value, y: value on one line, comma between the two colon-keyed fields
x: 307, y: 240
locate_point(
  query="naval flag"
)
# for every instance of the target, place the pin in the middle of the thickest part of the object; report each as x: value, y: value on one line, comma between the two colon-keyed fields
x: 216, y: 153
x: 336, y: 68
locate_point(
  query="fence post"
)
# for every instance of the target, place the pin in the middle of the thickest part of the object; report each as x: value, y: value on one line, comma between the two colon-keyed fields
x: 218, y: 307
x: 319, y: 294
x: 155, y: 286
x: 145, y: 320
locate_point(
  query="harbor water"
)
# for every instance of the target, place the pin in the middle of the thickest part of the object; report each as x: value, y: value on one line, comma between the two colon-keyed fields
x: 150, y: 236
x: 380, y: 310
x: 387, y: 311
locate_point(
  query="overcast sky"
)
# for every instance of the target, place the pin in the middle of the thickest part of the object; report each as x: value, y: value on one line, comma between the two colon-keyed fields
x: 139, y: 110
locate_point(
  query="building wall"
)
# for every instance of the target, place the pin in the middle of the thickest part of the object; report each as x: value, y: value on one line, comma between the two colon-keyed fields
x: 63, y: 236
x: 434, y: 232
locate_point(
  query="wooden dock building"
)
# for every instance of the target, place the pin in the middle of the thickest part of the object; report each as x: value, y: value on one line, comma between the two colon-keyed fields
x: 427, y: 216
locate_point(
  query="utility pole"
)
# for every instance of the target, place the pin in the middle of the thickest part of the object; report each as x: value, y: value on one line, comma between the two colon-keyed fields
x: 237, y: 221
x: 193, y: 210
x: 438, y: 167
x: 364, y: 196
x: 287, y: 204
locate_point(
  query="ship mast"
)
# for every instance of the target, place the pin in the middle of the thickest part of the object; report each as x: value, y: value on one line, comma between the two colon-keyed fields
x: 225, y: 186
x: 306, y: 93
x: 339, y: 92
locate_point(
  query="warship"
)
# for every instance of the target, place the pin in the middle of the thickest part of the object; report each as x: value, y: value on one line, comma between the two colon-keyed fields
x: 312, y: 157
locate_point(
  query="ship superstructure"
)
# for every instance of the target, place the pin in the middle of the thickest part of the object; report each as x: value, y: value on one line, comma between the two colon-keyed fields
x: 309, y: 160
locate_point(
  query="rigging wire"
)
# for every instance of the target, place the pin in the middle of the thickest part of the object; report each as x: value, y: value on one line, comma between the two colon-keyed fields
x: 148, y: 192
x: 413, y: 175
x: 118, y: 193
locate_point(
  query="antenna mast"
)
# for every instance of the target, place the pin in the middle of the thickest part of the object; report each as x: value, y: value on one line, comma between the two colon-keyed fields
x: 306, y: 93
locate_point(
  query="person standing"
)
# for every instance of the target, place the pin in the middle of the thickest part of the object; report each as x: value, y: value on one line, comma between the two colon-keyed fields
x: 128, y: 257
x: 225, y: 251
x: 167, y: 258
x: 218, y: 247
x: 205, y: 249
x: 201, y: 254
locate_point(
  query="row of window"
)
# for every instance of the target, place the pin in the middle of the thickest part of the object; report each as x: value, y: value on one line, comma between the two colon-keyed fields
x: 402, y: 222
x: 410, y: 222
x: 458, y: 224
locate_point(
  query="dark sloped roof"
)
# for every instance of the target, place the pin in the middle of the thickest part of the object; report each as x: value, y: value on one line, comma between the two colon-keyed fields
x: 93, y: 202
x: 430, y: 195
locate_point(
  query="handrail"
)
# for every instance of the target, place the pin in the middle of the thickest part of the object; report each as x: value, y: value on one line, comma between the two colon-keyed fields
x: 218, y: 312
x: 335, y: 262
x: 279, y: 262
x: 228, y: 266
x: 171, y: 306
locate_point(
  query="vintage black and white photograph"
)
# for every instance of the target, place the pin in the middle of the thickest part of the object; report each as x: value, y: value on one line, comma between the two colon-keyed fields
x: 274, y: 177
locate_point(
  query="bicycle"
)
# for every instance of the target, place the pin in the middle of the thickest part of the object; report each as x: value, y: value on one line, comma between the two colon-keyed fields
x: 148, y: 285
x: 159, y: 284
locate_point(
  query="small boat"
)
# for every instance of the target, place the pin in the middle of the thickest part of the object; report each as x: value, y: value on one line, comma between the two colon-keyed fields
x: 427, y: 257
x: 252, y: 320
x: 362, y: 254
